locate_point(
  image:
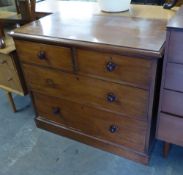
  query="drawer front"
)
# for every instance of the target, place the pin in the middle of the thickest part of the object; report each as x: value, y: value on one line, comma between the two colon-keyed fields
x: 8, y: 75
x: 174, y: 77
x: 170, y: 129
x: 45, y: 55
x: 103, y: 125
x: 175, y: 48
x: 172, y: 102
x: 117, y: 68
x: 101, y: 94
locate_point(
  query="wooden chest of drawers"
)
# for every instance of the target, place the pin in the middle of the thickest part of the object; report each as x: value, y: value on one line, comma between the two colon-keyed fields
x: 10, y: 77
x: 170, y: 122
x: 94, y: 88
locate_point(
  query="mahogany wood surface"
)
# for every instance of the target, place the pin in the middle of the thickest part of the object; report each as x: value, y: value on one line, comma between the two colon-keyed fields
x: 125, y: 33
x: 114, y: 67
x: 129, y: 101
x: 44, y: 54
x: 121, y: 100
x: 107, y: 126
x: 88, y: 139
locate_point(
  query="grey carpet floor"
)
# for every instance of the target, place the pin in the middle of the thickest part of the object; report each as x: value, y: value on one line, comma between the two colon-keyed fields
x: 27, y: 150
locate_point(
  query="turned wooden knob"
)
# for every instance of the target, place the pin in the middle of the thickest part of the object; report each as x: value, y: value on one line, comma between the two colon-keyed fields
x: 56, y: 110
x: 111, y: 97
x: 113, y: 128
x: 110, y: 66
x: 42, y: 55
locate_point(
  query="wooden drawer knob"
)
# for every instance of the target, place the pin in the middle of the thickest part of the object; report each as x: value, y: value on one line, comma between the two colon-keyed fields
x: 110, y: 66
x: 42, y: 55
x: 2, y: 61
x: 9, y: 79
x: 50, y: 83
x: 111, y: 97
x: 55, y: 110
x: 113, y: 128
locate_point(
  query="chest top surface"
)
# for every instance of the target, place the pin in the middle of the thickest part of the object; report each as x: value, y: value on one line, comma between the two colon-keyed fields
x: 130, y: 32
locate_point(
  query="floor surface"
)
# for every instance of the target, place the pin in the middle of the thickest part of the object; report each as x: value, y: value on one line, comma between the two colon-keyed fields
x: 27, y: 150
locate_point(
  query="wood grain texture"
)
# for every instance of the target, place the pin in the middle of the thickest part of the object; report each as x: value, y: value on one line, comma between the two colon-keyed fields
x: 52, y: 56
x: 97, y: 99
x: 124, y: 69
x: 97, y: 123
x: 138, y: 34
x: 129, y: 101
x: 92, y: 141
x: 10, y: 77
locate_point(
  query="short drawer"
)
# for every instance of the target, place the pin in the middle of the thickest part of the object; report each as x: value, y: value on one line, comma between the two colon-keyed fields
x: 174, y: 77
x: 114, y: 67
x: 170, y: 129
x: 108, y: 96
x: 172, y: 102
x: 107, y: 126
x: 44, y: 54
x: 175, y: 48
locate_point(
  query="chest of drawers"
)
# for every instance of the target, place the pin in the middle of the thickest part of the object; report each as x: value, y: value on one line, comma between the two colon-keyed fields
x: 170, y: 122
x: 11, y: 78
x: 91, y: 86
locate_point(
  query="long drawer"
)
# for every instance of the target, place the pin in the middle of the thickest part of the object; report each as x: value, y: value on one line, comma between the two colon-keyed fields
x: 174, y: 77
x: 170, y: 129
x: 172, y: 102
x: 114, y: 67
x: 45, y: 55
x: 109, y: 96
x: 103, y: 125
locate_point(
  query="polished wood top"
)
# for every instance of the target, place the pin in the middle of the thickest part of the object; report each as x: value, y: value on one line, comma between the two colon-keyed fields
x: 127, y: 32
x: 140, y: 30
x: 177, y: 20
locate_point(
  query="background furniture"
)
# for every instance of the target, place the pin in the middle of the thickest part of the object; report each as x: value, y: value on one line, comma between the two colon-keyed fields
x: 11, y: 77
x: 89, y: 85
x: 170, y: 121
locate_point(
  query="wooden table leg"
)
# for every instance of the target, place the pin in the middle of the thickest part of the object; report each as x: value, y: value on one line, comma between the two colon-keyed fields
x: 166, y: 149
x: 12, y: 103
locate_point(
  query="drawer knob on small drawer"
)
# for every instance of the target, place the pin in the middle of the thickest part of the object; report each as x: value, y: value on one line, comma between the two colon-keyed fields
x: 111, y: 97
x: 56, y: 110
x: 113, y: 128
x: 42, y: 55
x: 2, y: 61
x: 110, y: 66
x: 9, y: 79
